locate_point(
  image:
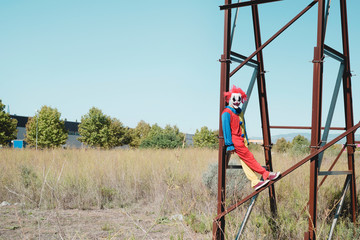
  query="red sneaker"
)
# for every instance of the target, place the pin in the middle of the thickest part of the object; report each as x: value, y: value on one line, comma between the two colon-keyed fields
x: 272, y: 176
x: 261, y: 184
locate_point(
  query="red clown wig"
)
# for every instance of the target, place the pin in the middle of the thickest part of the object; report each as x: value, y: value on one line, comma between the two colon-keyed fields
x: 235, y: 89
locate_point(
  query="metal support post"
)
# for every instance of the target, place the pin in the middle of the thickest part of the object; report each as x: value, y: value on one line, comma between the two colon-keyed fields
x: 339, y: 207
x: 316, y: 119
x: 249, y: 89
x: 219, y: 226
x: 348, y: 105
x: 331, y: 110
x: 263, y: 105
x: 247, y: 215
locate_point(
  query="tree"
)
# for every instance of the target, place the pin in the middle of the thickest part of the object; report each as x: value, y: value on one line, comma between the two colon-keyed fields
x: 206, y: 138
x: 139, y: 133
x: 99, y: 130
x: 300, y: 145
x: 46, y: 129
x: 7, y: 126
x: 282, y: 145
x: 170, y: 137
x: 119, y: 134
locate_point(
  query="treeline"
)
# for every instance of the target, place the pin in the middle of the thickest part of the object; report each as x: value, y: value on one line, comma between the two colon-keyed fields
x: 47, y: 130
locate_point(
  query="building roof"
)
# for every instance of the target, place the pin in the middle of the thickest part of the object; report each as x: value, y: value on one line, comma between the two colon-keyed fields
x: 69, y: 126
x: 21, y: 120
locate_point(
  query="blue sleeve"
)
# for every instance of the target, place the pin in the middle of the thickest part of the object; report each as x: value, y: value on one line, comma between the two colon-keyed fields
x: 225, y: 120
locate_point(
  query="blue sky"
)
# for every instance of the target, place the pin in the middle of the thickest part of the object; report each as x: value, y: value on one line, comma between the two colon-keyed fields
x: 157, y: 61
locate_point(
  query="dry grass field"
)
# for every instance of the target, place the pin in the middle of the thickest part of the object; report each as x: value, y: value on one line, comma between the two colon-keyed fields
x: 151, y: 194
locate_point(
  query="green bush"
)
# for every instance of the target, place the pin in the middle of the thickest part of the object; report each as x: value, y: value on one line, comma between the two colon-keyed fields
x: 170, y: 137
x: 300, y: 145
x: 282, y: 145
x: 199, y: 224
x: 206, y: 138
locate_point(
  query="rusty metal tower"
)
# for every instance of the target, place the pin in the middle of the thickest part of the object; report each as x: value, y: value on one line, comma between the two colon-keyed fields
x: 319, y: 134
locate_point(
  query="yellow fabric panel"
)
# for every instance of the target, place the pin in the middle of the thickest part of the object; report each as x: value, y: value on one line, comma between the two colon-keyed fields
x: 250, y: 174
x: 241, y: 116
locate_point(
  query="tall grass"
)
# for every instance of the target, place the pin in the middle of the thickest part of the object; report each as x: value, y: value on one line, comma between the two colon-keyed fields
x: 169, y: 180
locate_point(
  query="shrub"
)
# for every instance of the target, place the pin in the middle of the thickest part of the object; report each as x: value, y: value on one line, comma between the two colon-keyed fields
x: 170, y: 137
x: 199, y: 224
x: 300, y: 145
x: 206, y: 138
x: 282, y: 145
x: 235, y: 180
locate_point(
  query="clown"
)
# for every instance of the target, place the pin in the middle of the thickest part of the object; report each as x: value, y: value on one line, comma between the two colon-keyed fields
x: 235, y: 139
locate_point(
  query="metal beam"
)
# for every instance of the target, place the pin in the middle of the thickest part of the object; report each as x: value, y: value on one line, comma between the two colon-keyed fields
x: 348, y: 106
x: 243, y: 4
x: 327, y: 11
x: 247, y: 215
x: 264, y: 112
x: 249, y: 90
x: 333, y: 54
x: 339, y: 207
x: 234, y: 25
x: 326, y: 173
x: 304, y: 127
x: 219, y: 227
x: 331, y: 110
x: 333, y: 51
x: 238, y: 55
x: 316, y: 120
x: 234, y: 59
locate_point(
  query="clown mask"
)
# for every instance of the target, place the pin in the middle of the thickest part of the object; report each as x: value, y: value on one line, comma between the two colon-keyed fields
x: 235, y: 96
x: 235, y: 100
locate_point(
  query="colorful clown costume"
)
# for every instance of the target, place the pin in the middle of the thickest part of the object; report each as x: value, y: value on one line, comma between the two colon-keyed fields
x: 235, y: 139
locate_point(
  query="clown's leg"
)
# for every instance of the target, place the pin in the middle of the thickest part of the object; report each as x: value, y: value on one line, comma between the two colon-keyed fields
x: 248, y: 158
x: 250, y: 174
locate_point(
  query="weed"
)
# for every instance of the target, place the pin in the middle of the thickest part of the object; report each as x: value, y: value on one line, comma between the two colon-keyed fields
x: 177, y: 237
x: 107, y: 228
x: 199, y: 224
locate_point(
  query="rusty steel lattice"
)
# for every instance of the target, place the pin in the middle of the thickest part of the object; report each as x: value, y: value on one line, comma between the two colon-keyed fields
x: 318, y: 141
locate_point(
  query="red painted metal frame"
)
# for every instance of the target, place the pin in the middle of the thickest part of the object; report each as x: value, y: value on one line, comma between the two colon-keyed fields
x: 219, y: 226
x: 288, y: 171
x: 316, y: 119
x: 248, y: 3
x: 264, y: 113
x: 316, y: 149
x: 348, y: 105
x: 302, y: 127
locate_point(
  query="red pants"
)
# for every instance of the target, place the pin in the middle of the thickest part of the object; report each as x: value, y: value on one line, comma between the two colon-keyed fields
x: 247, y: 157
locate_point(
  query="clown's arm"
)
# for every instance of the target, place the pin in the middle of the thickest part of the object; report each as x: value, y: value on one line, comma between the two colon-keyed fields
x: 225, y: 119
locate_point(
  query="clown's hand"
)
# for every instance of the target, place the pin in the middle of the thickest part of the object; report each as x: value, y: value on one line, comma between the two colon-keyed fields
x: 230, y: 149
